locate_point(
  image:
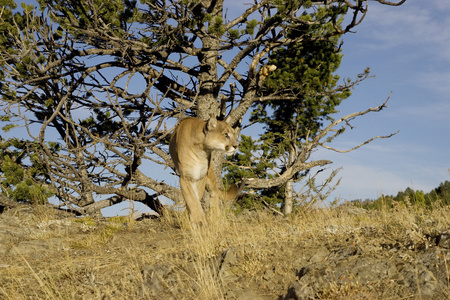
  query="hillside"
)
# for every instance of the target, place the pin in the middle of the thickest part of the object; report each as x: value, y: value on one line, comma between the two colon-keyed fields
x: 341, y: 253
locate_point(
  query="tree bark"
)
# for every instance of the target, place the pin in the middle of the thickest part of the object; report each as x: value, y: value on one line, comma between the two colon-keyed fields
x: 87, y: 67
x: 288, y: 197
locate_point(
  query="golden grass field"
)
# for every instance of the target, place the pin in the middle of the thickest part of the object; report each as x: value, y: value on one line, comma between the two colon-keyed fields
x: 255, y: 255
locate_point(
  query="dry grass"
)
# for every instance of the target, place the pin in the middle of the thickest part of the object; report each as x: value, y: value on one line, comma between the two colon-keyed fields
x: 118, y: 258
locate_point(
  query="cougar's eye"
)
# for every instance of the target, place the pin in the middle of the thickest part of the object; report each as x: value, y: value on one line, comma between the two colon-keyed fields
x: 227, y: 135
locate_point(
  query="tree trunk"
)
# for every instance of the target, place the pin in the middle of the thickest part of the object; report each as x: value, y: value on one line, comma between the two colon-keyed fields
x: 207, y: 101
x: 288, y: 197
x: 289, y: 187
x: 86, y: 196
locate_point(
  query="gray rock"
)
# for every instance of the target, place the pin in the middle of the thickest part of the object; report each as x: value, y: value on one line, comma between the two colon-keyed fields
x: 156, y: 281
x: 227, y: 267
x: 443, y: 240
x: 298, y: 291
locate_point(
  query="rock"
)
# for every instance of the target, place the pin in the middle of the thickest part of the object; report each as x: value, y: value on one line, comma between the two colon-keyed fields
x: 268, y: 274
x: 227, y: 269
x: 333, y: 261
x: 417, y: 272
x: 298, y: 291
x: 319, y: 255
x: 443, y: 240
x: 156, y: 279
x: 249, y: 295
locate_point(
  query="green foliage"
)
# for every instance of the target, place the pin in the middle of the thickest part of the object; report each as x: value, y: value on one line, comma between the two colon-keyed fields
x: 438, y: 197
x: 250, y: 27
x: 12, y: 171
x: 102, y: 122
x: 216, y: 27
x: 305, y: 75
x: 250, y: 168
x: 288, y: 5
x: 7, y: 28
x: 78, y: 16
x: 8, y: 127
x: 233, y: 33
x: 440, y: 194
x: 66, y: 59
x: 22, y: 174
x: 308, y: 70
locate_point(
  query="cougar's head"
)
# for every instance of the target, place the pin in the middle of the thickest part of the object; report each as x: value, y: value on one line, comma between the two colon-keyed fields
x: 219, y: 135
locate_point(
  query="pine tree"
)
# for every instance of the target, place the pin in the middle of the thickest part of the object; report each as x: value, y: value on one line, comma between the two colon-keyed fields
x: 105, y: 81
x: 23, y: 177
x: 306, y: 80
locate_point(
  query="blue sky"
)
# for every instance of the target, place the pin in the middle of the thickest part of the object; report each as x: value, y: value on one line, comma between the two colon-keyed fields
x: 408, y: 50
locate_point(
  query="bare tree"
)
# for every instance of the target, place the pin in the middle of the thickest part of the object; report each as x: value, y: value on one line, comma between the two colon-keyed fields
x: 99, y: 85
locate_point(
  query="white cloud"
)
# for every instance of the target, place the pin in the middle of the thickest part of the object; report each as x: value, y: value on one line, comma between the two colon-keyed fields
x: 443, y: 6
x: 362, y: 179
x: 437, y: 111
x: 420, y: 26
x: 386, y: 168
x: 409, y: 50
x: 365, y: 181
x: 436, y: 80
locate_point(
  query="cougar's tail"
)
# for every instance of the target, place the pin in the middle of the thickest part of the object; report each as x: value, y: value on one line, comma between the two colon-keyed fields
x: 231, y: 194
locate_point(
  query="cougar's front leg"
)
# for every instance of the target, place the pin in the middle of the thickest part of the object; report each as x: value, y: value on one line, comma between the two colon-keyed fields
x: 191, y: 196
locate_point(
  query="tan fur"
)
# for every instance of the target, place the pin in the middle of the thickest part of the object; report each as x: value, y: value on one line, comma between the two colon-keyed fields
x: 265, y: 71
x: 190, y: 148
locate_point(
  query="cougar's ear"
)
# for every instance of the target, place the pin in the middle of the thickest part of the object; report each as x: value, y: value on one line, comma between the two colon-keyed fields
x: 212, y: 123
x: 237, y: 131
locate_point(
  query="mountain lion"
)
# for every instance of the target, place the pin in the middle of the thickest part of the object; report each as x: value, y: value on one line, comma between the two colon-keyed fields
x: 190, y: 148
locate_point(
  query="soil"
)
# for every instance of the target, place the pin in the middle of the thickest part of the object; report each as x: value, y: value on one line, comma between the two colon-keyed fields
x: 62, y: 257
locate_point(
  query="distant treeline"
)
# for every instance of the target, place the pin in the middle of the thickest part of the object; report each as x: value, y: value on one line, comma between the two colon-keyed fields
x: 439, y: 196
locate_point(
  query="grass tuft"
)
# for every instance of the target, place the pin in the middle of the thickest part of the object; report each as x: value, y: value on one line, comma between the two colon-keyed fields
x: 256, y: 251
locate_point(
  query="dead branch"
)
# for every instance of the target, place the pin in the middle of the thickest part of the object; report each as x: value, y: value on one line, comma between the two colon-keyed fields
x: 360, y: 145
x: 94, y: 130
x: 299, y: 162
